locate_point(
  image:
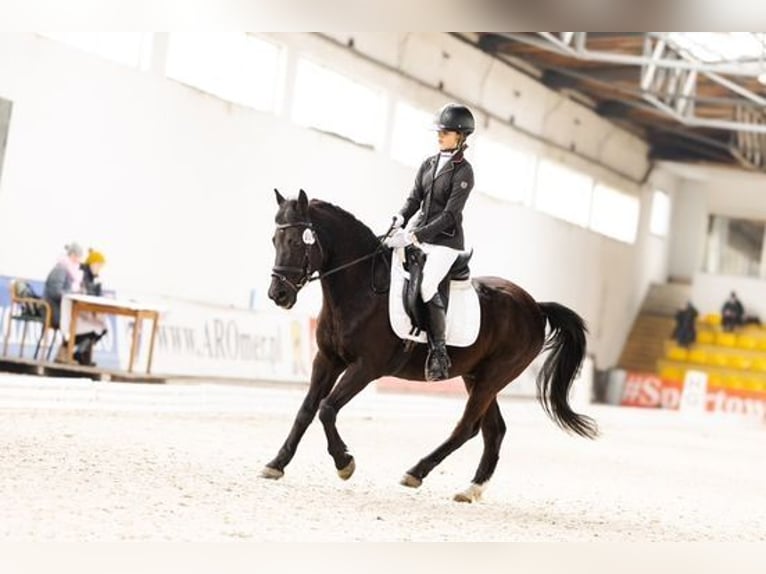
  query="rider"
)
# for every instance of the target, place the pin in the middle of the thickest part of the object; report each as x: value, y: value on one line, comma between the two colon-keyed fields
x: 441, y: 189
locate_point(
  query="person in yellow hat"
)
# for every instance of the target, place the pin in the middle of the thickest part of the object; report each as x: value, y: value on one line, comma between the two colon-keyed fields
x: 91, y: 269
x: 91, y: 327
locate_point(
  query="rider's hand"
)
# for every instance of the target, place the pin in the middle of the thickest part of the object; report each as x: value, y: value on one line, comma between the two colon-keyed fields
x: 400, y: 238
x: 398, y: 221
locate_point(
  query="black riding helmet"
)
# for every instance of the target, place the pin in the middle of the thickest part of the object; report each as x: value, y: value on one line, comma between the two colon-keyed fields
x: 456, y: 118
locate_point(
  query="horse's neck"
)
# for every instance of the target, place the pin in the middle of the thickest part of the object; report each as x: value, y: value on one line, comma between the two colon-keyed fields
x: 348, y: 291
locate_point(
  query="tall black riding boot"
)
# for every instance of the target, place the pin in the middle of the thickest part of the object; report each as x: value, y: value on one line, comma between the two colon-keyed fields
x: 83, y: 349
x: 437, y: 363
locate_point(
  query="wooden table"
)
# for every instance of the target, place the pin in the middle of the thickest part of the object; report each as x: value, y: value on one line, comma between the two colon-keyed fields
x: 104, y: 305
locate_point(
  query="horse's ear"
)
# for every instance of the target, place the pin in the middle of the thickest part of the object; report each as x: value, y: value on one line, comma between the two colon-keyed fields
x: 280, y: 199
x: 303, y: 202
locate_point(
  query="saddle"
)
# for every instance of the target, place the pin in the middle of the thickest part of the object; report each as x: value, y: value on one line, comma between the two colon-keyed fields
x: 414, y: 305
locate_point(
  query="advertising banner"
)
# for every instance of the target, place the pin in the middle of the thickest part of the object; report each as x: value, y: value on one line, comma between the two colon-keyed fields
x: 649, y: 390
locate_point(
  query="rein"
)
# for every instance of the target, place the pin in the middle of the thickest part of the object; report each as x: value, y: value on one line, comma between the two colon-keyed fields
x: 309, y: 239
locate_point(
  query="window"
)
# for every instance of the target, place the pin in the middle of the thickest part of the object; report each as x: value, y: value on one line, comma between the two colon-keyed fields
x: 734, y: 246
x: 659, y: 222
x: 413, y: 138
x: 5, y: 121
x: 332, y: 102
x: 130, y: 48
x: 563, y: 192
x: 614, y: 213
x: 234, y: 66
x: 504, y: 172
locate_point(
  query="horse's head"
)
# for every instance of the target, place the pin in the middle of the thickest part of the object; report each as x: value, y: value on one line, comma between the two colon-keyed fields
x: 296, y: 250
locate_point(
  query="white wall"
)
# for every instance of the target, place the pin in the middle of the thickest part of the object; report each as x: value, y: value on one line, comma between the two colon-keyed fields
x: 176, y: 186
x: 708, y: 192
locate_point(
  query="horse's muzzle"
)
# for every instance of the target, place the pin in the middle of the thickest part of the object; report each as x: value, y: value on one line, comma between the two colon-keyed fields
x: 281, y: 294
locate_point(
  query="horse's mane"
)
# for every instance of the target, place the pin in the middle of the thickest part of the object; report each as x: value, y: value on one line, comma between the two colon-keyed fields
x: 347, y: 220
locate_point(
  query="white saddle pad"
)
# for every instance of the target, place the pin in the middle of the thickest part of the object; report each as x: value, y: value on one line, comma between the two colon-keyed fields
x: 463, y: 311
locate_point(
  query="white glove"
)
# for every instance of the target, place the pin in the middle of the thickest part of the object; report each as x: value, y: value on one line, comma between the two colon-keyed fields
x: 398, y: 220
x: 400, y: 238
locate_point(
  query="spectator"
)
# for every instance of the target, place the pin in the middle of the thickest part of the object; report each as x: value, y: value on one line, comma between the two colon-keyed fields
x: 732, y: 313
x: 91, y: 269
x: 67, y: 277
x: 93, y: 325
x: 685, y: 332
x: 64, y: 278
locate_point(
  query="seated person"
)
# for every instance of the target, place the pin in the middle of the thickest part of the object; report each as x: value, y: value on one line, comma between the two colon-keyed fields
x: 732, y: 313
x: 67, y: 277
x: 91, y: 269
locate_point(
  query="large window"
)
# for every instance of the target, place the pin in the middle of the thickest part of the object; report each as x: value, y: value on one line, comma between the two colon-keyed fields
x: 504, y: 172
x: 413, y: 137
x: 5, y: 122
x: 614, y: 213
x: 231, y: 65
x: 130, y: 48
x: 563, y: 192
x: 734, y: 246
x: 659, y: 223
x: 331, y: 102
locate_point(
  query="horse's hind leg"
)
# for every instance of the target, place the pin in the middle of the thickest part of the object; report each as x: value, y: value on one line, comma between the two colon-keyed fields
x: 493, y: 431
x: 350, y: 384
x: 324, y: 372
x: 467, y: 427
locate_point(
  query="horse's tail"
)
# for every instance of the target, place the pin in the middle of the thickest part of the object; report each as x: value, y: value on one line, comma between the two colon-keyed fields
x: 566, y: 343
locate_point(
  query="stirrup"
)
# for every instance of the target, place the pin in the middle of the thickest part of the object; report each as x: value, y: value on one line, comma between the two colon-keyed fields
x: 437, y: 365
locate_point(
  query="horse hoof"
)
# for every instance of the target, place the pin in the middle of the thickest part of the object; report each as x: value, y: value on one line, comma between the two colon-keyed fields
x: 271, y: 473
x: 411, y: 481
x: 471, y: 494
x: 346, y: 472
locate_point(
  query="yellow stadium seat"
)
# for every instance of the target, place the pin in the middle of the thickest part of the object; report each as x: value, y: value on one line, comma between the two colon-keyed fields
x: 734, y: 382
x: 740, y: 362
x: 755, y: 384
x: 718, y: 360
x: 671, y: 373
x: 705, y: 337
x: 761, y: 344
x: 725, y: 339
x: 712, y: 319
x: 714, y: 380
x: 677, y: 354
x: 746, y: 342
x: 698, y: 356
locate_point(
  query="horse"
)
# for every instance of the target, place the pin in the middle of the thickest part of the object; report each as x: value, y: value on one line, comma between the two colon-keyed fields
x: 318, y: 240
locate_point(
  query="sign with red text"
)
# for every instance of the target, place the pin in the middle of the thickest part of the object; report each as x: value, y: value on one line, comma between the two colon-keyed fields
x: 650, y: 391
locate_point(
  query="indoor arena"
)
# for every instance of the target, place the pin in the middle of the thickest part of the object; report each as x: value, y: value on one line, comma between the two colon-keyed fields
x: 382, y: 287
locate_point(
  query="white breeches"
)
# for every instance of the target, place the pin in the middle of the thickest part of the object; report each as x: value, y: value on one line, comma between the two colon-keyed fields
x: 439, y: 259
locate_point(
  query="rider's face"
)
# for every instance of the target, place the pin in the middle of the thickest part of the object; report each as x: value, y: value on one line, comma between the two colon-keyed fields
x: 448, y: 140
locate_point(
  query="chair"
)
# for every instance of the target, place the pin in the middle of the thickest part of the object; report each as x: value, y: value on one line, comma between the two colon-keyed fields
x: 28, y: 308
x: 677, y: 354
x: 705, y: 337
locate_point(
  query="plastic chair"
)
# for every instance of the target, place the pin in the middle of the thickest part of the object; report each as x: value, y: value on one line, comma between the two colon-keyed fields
x: 28, y: 310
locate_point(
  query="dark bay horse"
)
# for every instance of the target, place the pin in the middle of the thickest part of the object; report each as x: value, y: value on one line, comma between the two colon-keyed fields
x: 319, y: 240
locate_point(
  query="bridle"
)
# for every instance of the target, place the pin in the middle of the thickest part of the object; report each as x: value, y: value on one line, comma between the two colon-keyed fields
x: 307, y: 275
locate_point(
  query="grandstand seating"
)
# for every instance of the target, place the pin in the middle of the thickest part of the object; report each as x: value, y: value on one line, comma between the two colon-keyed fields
x: 732, y: 360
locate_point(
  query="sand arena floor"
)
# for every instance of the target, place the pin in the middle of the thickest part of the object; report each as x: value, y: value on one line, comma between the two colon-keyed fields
x: 108, y: 461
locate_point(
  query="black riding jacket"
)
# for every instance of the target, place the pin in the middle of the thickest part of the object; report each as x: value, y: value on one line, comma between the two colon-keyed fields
x: 442, y: 197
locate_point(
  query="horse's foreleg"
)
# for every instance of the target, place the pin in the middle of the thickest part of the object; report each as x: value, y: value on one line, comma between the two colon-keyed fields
x: 324, y: 372
x: 493, y: 431
x: 351, y: 383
